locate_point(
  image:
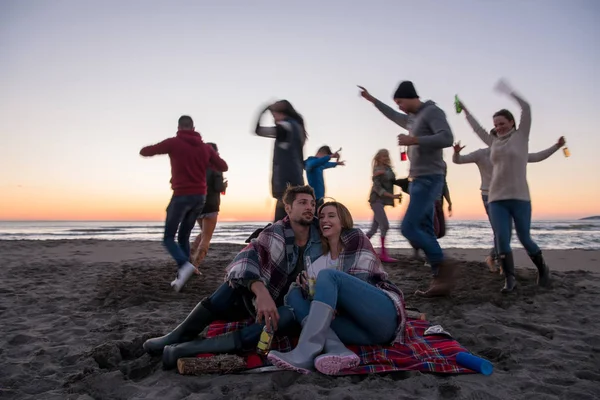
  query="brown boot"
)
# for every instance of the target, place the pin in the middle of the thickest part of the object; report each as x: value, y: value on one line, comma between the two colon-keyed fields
x: 443, y: 283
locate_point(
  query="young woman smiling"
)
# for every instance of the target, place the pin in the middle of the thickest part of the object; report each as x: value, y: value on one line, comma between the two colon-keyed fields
x: 350, y: 284
x: 508, y: 195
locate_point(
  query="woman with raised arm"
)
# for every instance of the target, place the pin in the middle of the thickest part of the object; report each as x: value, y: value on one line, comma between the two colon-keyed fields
x: 382, y: 194
x: 508, y: 195
x: 481, y: 158
x: 288, y: 158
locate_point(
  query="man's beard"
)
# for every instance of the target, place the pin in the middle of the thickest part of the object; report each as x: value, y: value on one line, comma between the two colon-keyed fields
x: 305, y: 220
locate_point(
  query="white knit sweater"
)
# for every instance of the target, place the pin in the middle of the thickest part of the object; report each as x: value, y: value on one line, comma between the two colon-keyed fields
x: 509, y: 155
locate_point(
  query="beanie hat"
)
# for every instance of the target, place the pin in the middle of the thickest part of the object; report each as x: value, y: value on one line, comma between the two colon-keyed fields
x: 406, y: 90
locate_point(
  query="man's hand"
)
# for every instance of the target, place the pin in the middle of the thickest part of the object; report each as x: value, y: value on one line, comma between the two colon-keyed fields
x: 266, y: 310
x: 457, y: 147
x: 365, y: 94
x: 406, y: 140
x: 450, y: 209
x: 336, y: 155
x: 342, y: 163
x: 561, y: 141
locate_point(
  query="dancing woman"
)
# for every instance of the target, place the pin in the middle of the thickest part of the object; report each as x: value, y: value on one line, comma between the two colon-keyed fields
x: 382, y: 194
x: 210, y: 213
x: 481, y: 158
x: 508, y: 195
x: 288, y: 159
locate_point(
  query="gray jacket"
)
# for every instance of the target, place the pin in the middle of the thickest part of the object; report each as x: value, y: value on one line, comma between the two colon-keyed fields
x: 429, y: 124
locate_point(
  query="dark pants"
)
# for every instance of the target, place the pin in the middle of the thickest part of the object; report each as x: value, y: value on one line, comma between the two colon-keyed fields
x: 230, y: 304
x: 182, y: 213
x: 503, y: 213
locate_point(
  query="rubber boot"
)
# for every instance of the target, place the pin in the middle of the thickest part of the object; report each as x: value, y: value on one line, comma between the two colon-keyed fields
x: 188, y: 330
x: 508, y: 266
x: 336, y: 356
x: 311, y: 342
x: 227, y: 343
x: 543, y: 270
x: 384, y: 255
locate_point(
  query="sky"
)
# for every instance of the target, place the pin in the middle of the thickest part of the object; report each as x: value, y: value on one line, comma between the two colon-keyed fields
x: 85, y: 85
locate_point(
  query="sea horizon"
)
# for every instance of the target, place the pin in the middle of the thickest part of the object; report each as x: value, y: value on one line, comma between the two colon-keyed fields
x: 473, y: 234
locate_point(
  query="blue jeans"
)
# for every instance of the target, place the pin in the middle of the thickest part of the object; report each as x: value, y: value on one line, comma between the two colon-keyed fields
x: 493, y: 252
x: 182, y: 213
x: 367, y: 316
x: 227, y: 303
x: 503, y: 213
x: 417, y: 225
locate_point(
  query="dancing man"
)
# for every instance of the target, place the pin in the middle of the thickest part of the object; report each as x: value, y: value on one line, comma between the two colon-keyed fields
x: 429, y: 134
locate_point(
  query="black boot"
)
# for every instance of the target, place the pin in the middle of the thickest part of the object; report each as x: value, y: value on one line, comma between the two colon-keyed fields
x: 508, y: 266
x: 227, y: 343
x: 543, y: 270
x: 194, y: 323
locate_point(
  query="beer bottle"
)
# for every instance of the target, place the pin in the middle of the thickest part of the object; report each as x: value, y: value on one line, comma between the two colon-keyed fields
x: 264, y: 343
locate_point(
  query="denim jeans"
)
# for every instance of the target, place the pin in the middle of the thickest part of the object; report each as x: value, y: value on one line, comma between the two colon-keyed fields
x: 417, y: 225
x: 227, y: 303
x: 503, y: 213
x: 182, y: 213
x: 367, y: 316
x: 493, y: 252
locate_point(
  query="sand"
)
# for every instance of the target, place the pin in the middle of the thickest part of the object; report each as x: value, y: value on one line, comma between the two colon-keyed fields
x: 75, y: 313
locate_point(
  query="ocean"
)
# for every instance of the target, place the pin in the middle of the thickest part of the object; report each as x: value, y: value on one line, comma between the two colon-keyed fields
x: 575, y: 234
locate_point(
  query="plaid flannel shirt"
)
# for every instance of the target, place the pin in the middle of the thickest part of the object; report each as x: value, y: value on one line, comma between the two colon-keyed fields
x: 271, y: 258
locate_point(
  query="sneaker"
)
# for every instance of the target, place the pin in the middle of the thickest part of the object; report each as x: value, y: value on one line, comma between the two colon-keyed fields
x: 183, y: 275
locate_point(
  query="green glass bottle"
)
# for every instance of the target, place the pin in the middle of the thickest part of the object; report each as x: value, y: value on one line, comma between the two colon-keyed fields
x: 457, y: 105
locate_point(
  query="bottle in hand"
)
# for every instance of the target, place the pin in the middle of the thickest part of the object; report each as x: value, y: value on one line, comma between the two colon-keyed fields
x: 264, y: 343
x: 403, y: 155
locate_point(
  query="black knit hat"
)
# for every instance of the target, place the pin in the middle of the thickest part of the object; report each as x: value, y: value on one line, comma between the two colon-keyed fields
x: 406, y: 90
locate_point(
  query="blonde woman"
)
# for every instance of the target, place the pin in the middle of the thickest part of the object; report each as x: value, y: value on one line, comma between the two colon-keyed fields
x: 382, y: 194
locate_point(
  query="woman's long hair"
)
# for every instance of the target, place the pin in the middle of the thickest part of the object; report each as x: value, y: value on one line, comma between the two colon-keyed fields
x: 345, y: 219
x: 285, y: 107
x: 377, y: 162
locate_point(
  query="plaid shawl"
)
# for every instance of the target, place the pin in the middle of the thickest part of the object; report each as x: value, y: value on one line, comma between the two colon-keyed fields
x: 418, y: 353
x: 360, y: 260
x: 271, y: 258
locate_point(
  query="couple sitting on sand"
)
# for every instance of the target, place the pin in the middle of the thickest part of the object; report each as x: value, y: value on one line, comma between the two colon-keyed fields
x: 268, y: 280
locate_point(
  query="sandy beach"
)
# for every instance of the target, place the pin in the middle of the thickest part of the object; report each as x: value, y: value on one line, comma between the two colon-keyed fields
x: 75, y: 314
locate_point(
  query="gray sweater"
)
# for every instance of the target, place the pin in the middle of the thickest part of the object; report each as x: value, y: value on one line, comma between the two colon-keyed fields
x: 429, y: 124
x: 481, y: 158
x: 509, y: 155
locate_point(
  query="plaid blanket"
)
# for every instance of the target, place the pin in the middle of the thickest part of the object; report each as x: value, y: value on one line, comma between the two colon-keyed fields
x: 271, y: 258
x: 418, y: 353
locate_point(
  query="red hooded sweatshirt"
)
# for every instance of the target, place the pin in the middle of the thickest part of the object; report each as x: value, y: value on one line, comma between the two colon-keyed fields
x: 190, y: 157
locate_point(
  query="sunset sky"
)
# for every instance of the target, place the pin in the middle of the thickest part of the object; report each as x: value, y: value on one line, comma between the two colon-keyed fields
x: 85, y: 85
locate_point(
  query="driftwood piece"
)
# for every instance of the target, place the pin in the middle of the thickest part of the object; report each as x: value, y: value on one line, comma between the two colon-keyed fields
x: 219, y: 364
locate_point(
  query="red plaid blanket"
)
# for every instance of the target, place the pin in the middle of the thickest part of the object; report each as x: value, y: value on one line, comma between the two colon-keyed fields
x: 419, y: 353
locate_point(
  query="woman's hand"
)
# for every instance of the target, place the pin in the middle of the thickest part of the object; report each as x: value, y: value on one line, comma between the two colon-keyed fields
x: 457, y: 147
x: 561, y: 141
x: 503, y: 87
